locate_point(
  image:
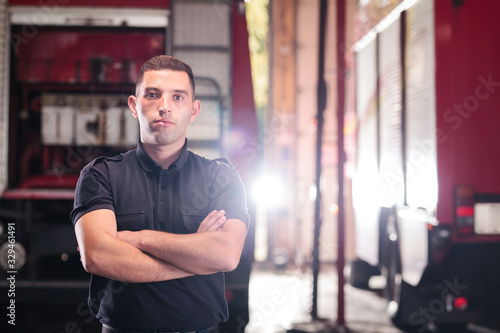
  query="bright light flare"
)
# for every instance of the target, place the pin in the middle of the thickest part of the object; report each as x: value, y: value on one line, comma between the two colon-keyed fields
x: 268, y: 190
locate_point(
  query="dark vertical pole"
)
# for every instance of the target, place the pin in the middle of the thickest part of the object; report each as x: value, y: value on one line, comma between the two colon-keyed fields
x: 403, y: 102
x: 341, y: 46
x: 321, y: 100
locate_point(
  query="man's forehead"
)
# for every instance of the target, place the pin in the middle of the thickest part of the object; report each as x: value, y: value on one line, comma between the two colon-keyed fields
x: 166, y: 73
x: 172, y: 79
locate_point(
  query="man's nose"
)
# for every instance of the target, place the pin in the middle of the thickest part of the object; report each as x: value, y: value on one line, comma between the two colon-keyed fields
x: 165, y: 105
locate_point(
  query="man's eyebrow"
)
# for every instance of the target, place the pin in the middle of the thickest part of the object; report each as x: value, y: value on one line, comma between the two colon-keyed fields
x: 180, y: 91
x: 174, y: 91
x: 151, y: 89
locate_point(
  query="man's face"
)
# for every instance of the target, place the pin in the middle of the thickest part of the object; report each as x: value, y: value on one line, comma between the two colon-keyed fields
x: 164, y: 106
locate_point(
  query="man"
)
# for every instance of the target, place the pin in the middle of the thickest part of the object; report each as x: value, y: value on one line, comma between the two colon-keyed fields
x: 158, y: 225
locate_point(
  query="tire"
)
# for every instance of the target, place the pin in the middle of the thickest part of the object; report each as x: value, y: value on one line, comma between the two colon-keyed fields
x: 392, y: 260
x: 403, y: 298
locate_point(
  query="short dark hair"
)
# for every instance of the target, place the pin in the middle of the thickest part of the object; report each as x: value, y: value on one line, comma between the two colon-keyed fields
x: 165, y: 62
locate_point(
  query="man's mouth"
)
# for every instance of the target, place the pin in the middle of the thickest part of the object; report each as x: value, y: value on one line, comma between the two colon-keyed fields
x: 163, y: 122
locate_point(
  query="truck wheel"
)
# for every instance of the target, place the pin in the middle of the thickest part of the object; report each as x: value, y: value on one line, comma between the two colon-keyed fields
x: 404, y: 308
x: 403, y: 297
x: 403, y: 302
x: 392, y: 260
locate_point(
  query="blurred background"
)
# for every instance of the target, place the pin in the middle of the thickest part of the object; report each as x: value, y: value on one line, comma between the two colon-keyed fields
x: 365, y: 131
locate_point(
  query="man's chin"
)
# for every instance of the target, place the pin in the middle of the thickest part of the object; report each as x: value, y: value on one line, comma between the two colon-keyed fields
x: 162, y: 139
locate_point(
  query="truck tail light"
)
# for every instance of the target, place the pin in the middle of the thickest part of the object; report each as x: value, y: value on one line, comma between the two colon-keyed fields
x: 465, y: 220
x: 464, y: 209
x: 460, y: 303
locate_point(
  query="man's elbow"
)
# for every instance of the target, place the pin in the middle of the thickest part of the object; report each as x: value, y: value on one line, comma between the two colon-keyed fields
x: 230, y: 263
x: 231, y: 267
x: 91, y: 262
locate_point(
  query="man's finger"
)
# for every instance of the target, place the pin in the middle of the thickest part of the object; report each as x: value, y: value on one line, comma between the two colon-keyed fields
x: 218, y: 224
x: 213, y: 221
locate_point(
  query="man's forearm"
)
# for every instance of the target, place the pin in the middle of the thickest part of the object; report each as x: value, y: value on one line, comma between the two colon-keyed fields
x: 104, y: 254
x: 196, y: 253
x: 199, y: 253
x: 129, y: 264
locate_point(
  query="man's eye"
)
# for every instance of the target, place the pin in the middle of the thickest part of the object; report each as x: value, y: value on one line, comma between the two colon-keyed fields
x: 151, y: 95
x: 178, y: 97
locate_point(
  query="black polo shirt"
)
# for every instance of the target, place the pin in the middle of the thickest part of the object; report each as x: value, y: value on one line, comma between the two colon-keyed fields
x: 176, y: 200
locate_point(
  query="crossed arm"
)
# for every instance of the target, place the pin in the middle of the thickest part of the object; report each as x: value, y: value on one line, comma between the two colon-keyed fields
x: 149, y: 256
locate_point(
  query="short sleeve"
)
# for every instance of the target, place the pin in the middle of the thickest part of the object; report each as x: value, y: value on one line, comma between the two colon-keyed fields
x: 228, y: 192
x: 92, y: 191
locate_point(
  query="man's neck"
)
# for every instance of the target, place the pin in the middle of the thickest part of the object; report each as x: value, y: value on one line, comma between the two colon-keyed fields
x: 163, y: 155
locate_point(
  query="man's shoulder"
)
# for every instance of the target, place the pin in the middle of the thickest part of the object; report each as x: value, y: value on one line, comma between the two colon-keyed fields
x: 214, y: 170
x: 113, y: 161
x: 219, y: 162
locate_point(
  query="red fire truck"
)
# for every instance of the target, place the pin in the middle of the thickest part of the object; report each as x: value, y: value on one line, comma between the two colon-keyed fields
x: 426, y: 187
x: 66, y: 73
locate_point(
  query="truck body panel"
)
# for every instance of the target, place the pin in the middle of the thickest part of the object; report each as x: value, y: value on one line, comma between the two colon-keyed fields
x: 468, y: 80
x: 426, y: 193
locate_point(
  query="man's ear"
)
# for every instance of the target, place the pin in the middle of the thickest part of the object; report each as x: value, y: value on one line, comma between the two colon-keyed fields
x: 196, y: 110
x: 132, y: 104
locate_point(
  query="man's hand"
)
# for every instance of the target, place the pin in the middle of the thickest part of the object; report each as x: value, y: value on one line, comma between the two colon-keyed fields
x: 219, y: 243
x: 213, y: 222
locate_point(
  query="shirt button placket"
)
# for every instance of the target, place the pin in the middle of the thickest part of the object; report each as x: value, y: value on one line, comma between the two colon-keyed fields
x: 162, y: 187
